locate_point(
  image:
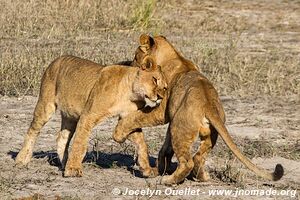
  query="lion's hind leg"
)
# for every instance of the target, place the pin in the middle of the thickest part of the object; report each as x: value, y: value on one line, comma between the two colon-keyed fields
x: 165, y: 155
x: 64, y: 137
x: 44, y: 109
x: 199, y: 171
x: 142, y: 150
x: 42, y: 114
x: 182, y: 140
x: 208, y: 136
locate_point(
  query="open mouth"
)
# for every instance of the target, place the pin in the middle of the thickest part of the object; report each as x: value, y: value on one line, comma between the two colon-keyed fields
x: 152, y: 103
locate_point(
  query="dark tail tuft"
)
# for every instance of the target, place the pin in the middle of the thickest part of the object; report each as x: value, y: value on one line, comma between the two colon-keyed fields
x: 278, y: 173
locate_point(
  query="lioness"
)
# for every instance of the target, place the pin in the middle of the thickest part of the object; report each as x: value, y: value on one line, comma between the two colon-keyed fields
x: 86, y: 93
x: 193, y: 109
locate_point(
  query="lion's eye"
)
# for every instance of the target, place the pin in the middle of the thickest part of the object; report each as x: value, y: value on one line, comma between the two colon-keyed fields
x: 154, y: 80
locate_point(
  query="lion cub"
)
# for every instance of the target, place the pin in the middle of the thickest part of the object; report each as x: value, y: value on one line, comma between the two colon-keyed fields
x: 86, y: 93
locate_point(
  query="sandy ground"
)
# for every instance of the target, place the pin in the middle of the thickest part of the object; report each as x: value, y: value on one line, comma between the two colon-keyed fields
x: 109, y: 165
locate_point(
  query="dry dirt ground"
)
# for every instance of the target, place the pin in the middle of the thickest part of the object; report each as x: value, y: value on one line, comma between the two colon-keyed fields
x: 248, y: 49
x: 109, y: 165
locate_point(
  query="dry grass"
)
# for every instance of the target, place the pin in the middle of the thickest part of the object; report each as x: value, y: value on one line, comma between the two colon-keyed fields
x: 260, y: 148
x: 223, y: 40
x: 271, y: 73
x: 143, y: 14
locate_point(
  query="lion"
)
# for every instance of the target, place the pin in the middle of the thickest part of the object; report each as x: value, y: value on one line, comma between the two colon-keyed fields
x: 193, y: 110
x: 86, y: 93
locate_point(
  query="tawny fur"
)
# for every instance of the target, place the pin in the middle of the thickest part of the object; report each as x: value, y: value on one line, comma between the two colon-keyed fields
x: 193, y: 110
x: 86, y: 93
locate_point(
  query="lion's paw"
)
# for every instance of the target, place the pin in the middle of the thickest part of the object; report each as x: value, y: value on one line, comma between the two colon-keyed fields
x: 205, y: 176
x: 150, y: 173
x: 119, y: 138
x: 73, y: 172
x: 168, y: 180
x: 202, y: 177
x: 23, y: 158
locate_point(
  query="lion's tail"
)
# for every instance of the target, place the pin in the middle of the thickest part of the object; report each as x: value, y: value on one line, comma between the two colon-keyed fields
x: 216, y: 121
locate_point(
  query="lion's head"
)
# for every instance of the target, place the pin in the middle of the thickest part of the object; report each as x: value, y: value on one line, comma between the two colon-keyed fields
x: 165, y: 55
x: 150, y: 85
x: 157, y: 47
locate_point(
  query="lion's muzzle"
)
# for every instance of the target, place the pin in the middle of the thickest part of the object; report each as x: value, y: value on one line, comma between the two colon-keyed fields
x: 152, y: 102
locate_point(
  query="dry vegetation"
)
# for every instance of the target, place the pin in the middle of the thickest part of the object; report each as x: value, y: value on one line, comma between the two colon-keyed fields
x: 244, y: 51
x: 249, y: 49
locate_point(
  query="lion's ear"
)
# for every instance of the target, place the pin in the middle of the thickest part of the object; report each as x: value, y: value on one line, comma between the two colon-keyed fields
x: 148, y: 64
x: 146, y: 42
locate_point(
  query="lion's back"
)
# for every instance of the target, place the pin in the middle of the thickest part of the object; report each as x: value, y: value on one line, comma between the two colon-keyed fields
x: 72, y: 79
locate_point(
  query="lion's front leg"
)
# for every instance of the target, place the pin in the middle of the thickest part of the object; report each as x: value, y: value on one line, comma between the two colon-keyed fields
x: 130, y: 127
x: 78, y: 150
x: 79, y: 146
x: 139, y: 119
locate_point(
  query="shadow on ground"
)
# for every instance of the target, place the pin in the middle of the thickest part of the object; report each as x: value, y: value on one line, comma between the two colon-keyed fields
x: 103, y: 160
